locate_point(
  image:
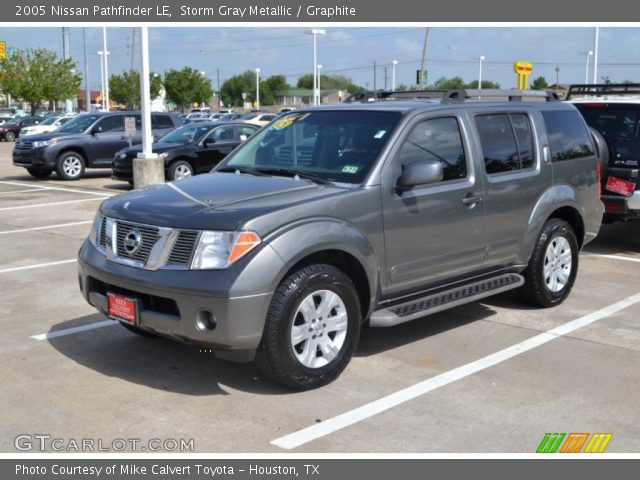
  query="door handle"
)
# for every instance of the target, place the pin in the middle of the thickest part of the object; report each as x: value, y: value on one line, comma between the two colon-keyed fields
x: 470, y: 200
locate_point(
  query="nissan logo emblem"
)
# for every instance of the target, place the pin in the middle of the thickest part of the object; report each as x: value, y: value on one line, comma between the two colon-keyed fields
x: 132, y: 242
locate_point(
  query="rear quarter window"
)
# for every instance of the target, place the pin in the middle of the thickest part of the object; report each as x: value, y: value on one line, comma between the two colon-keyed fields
x: 568, y: 135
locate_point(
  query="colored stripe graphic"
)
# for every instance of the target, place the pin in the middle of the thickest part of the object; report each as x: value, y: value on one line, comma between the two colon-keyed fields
x: 574, y: 443
x: 550, y: 443
x: 598, y: 442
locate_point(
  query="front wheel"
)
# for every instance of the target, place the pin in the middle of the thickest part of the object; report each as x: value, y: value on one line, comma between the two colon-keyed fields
x: 312, y: 328
x: 552, y: 268
x: 70, y: 166
x: 39, y: 172
x: 180, y: 170
x: 9, y: 136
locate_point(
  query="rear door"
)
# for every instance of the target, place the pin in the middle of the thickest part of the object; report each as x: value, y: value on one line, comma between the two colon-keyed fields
x: 432, y: 232
x: 108, y: 139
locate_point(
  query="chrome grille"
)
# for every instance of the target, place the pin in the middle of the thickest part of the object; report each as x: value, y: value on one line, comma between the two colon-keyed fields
x: 23, y: 145
x: 103, y: 232
x: 149, y: 237
x: 183, y: 248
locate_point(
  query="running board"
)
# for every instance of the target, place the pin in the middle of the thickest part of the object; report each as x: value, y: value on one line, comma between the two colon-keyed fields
x: 437, y: 302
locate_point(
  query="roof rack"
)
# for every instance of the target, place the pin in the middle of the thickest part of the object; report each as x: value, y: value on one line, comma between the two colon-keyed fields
x: 603, y: 89
x: 513, y: 95
x: 373, y: 96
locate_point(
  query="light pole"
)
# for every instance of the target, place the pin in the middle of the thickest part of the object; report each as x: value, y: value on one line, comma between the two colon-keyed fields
x: 319, y: 91
x: 203, y: 73
x: 102, y: 90
x: 257, y: 89
x: 596, y: 41
x: 586, y: 71
x: 106, y: 68
x: 480, y: 60
x: 315, y: 32
x: 393, y: 75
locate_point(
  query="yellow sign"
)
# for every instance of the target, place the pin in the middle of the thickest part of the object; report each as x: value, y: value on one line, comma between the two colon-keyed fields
x: 523, y: 70
x: 3, y: 50
x: 195, y: 104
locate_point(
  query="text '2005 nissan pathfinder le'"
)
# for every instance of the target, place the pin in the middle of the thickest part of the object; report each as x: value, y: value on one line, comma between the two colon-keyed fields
x: 329, y: 217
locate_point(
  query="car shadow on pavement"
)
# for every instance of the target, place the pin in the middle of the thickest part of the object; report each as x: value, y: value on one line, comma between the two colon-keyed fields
x: 617, y: 238
x: 118, y: 187
x: 377, y: 340
x: 156, y: 362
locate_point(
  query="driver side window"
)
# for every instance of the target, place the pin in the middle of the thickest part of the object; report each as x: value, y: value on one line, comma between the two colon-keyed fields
x: 437, y: 139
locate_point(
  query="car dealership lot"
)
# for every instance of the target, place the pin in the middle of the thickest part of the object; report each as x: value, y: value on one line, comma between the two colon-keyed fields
x: 431, y: 385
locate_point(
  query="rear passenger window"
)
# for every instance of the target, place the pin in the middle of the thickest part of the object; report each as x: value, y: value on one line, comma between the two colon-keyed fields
x: 161, y: 121
x: 507, y: 142
x: 437, y: 139
x: 568, y: 136
x: 113, y: 123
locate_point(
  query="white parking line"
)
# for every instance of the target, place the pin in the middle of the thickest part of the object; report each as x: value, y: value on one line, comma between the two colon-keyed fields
x: 613, y: 257
x: 359, y: 414
x: 22, y: 191
x: 70, y: 331
x: 66, y: 202
x: 38, y: 265
x: 59, y: 189
x: 45, y: 227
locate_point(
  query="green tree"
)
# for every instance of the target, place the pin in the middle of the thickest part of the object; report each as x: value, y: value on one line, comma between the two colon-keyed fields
x: 125, y: 88
x: 232, y: 89
x: 330, y: 82
x: 539, y: 83
x: 37, y: 75
x: 485, y: 84
x: 187, y: 86
x: 402, y: 88
x: 271, y: 87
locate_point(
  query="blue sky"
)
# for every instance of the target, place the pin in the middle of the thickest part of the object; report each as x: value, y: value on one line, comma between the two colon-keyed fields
x: 352, y: 51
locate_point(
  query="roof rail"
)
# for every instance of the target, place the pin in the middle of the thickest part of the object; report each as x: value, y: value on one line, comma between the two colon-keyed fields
x: 371, y: 96
x: 603, y: 89
x: 513, y: 95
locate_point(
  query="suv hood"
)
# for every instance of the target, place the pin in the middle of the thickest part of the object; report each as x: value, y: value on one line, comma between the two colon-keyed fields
x: 38, y: 137
x: 215, y: 201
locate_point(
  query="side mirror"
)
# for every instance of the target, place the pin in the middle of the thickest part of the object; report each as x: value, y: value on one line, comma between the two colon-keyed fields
x: 207, y: 142
x: 94, y: 131
x: 420, y: 172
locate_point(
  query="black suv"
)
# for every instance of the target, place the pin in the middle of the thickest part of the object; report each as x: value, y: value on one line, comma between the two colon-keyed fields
x: 188, y: 150
x: 88, y: 141
x: 613, y: 110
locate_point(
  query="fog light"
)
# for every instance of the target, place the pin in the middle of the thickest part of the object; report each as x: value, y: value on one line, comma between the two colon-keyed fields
x: 206, y: 321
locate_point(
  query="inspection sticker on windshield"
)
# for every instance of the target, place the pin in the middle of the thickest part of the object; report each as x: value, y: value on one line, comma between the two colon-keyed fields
x: 350, y: 169
x: 380, y: 134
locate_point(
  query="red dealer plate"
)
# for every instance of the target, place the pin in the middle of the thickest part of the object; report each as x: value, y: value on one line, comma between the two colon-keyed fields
x: 618, y: 185
x: 122, y: 308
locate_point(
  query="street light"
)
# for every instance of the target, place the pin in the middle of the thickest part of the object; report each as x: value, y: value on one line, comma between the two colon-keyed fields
x: 103, y: 92
x: 480, y: 60
x: 393, y: 75
x: 319, y: 91
x: 257, y: 89
x: 106, y: 68
x: 315, y: 32
x: 586, y: 71
x: 203, y: 73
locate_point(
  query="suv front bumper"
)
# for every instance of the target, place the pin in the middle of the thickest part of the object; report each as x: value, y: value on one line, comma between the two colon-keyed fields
x: 171, y: 301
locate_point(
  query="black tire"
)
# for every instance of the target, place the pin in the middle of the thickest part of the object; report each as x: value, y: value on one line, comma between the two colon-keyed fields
x: 539, y: 288
x: 9, y: 136
x: 139, y: 331
x: 278, y: 357
x: 70, y: 166
x: 39, y: 172
x: 179, y: 170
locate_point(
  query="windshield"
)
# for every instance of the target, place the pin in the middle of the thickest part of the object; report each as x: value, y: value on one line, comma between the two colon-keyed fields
x: 49, y: 121
x: 615, y: 123
x: 79, y: 124
x: 338, y: 146
x: 184, y: 135
x: 14, y: 120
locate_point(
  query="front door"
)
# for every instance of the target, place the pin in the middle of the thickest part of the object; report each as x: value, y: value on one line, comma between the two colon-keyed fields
x: 215, y: 146
x: 432, y: 232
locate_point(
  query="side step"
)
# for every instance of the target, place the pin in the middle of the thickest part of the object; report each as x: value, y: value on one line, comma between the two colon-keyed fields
x: 437, y: 302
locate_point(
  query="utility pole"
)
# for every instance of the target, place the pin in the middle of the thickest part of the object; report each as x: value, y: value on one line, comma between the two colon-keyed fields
x: 423, y: 61
x: 87, y: 87
x: 218, y: 82
x: 106, y: 69
x: 595, y: 55
x: 557, y: 69
x: 385, y: 77
x: 374, y: 76
x: 66, y: 54
x: 133, y: 47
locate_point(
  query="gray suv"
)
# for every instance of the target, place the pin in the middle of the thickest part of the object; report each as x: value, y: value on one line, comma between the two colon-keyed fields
x: 341, y: 215
x: 87, y: 141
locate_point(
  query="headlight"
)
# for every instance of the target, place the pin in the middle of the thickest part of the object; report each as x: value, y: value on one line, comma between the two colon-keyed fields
x: 95, y: 228
x: 217, y: 250
x: 44, y: 143
x: 123, y: 156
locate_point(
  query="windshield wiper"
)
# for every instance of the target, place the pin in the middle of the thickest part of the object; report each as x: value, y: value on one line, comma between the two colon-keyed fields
x: 295, y: 173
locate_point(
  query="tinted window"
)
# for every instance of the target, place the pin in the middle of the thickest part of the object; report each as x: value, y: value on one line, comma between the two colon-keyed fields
x: 245, y: 132
x: 615, y: 123
x: 507, y: 142
x: 437, y: 139
x: 222, y: 134
x: 184, y: 135
x: 161, y: 121
x: 113, y: 123
x: 568, y: 137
